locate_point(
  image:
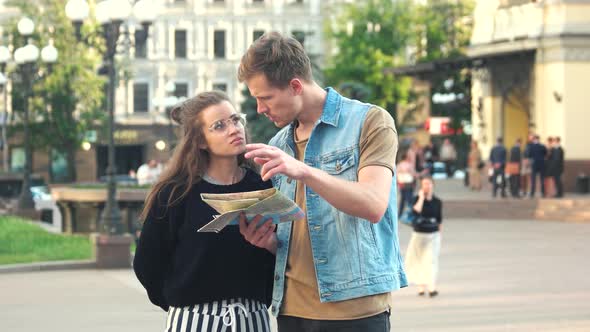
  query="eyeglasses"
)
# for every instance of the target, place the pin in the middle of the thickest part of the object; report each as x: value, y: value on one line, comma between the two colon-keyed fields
x: 221, y: 126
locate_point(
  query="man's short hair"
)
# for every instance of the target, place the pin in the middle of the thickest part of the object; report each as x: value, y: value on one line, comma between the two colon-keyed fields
x: 280, y: 58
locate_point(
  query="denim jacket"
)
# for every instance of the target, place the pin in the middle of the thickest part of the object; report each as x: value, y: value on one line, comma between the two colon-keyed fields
x: 352, y: 256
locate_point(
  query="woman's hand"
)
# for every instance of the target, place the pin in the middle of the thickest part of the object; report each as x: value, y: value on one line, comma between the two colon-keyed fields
x: 421, y: 194
x: 262, y: 236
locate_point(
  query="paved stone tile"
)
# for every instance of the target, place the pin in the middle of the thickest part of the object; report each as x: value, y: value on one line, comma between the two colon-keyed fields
x: 496, y: 275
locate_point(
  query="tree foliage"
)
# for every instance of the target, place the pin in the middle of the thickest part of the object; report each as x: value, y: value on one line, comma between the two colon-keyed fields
x: 67, y: 99
x: 369, y: 37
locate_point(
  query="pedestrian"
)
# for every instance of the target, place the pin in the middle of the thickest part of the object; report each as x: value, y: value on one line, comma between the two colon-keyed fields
x: 424, y: 247
x: 430, y: 156
x: 336, y: 158
x: 526, y: 169
x: 448, y: 155
x: 406, y: 176
x: 148, y: 173
x: 537, y: 152
x: 474, y: 165
x: 558, y: 157
x: 549, y: 169
x: 498, y: 164
x: 418, y: 156
x: 513, y: 168
x: 205, y: 281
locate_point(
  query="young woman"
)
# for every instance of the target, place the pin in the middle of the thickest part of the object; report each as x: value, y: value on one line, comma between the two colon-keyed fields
x: 405, y: 181
x: 474, y: 167
x: 205, y: 281
x: 424, y: 247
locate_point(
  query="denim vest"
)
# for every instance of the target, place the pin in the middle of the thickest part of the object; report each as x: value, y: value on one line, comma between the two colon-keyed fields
x: 352, y: 256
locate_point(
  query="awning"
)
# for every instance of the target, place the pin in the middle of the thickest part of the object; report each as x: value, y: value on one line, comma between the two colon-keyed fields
x: 453, y: 64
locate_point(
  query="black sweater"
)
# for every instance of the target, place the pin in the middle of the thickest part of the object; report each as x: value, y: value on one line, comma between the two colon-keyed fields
x: 180, y: 267
x: 431, y: 215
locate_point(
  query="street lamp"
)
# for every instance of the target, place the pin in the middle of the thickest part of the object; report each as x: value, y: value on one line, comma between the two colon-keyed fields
x: 26, y: 58
x: 169, y: 102
x: 4, y: 58
x: 111, y: 14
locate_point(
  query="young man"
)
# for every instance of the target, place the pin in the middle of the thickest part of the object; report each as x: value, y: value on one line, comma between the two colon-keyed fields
x: 498, y: 163
x: 336, y: 158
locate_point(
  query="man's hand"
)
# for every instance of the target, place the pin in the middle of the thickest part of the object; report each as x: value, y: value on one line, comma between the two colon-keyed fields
x: 262, y: 236
x: 275, y: 161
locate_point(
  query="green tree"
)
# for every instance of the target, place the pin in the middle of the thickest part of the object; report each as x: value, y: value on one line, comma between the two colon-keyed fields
x: 370, y: 37
x: 67, y: 100
x: 442, y: 30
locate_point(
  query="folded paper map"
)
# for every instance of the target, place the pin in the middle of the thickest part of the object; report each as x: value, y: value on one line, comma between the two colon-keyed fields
x: 270, y: 203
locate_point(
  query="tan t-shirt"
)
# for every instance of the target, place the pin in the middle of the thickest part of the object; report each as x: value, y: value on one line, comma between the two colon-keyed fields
x: 378, y: 146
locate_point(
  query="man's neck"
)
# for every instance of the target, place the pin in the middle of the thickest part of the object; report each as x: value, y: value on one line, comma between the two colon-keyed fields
x: 312, y: 108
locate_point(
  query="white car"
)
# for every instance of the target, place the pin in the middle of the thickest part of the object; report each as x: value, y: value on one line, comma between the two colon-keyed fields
x: 440, y: 172
x: 50, y: 214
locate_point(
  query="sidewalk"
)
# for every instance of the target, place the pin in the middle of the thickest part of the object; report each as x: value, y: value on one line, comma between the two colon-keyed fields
x: 460, y: 202
x: 495, y: 275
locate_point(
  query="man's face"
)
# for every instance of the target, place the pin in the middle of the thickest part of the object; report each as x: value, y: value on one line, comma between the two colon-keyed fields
x: 281, y: 106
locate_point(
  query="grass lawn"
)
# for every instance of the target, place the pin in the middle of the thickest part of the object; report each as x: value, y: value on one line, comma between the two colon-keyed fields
x: 24, y: 242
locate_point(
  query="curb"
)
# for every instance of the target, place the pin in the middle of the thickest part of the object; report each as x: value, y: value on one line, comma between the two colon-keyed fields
x: 48, y: 266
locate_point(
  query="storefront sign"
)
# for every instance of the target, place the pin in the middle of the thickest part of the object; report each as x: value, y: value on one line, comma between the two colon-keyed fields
x: 126, y: 136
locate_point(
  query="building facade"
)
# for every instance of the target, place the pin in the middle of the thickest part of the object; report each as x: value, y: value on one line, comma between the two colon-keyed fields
x: 193, y: 46
x: 535, y: 77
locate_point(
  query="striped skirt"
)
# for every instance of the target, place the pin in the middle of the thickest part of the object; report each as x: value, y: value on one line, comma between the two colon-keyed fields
x: 219, y: 316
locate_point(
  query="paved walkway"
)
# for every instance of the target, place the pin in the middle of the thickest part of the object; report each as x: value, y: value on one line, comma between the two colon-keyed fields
x: 495, y: 276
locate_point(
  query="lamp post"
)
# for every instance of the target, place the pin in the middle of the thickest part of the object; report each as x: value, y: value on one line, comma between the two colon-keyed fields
x: 4, y: 58
x: 169, y: 101
x: 111, y: 14
x: 26, y: 58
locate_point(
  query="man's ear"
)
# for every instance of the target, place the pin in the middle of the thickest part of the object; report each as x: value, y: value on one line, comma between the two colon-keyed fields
x: 296, y: 86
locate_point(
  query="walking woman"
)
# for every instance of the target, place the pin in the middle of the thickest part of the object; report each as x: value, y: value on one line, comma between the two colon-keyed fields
x: 205, y: 281
x: 474, y: 165
x: 424, y: 247
x: 406, y: 176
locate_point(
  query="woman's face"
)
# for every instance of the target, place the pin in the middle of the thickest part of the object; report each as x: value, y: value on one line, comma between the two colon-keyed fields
x: 427, y: 186
x: 223, y: 130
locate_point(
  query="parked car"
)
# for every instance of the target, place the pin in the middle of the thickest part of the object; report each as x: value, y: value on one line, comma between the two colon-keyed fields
x: 440, y: 172
x: 10, y: 189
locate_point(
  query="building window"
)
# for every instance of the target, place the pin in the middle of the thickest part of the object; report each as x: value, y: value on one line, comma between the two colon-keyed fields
x: 257, y: 34
x: 218, y: 1
x: 17, y: 159
x: 140, y: 97
x: 59, y: 166
x: 140, y: 45
x: 219, y: 44
x: 220, y: 87
x: 180, y: 44
x: 257, y: 1
x: 180, y: 90
x: 299, y: 36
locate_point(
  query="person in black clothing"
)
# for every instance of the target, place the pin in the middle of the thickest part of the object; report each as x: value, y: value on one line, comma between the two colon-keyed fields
x: 537, y: 152
x: 557, y: 157
x: 430, y: 156
x: 516, y: 158
x: 205, y: 281
x: 498, y: 163
x: 424, y: 246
